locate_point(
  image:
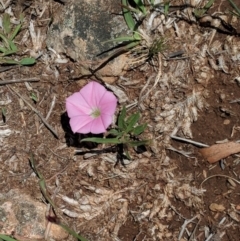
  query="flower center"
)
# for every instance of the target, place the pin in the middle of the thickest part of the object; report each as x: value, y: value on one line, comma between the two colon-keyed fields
x: 95, y: 113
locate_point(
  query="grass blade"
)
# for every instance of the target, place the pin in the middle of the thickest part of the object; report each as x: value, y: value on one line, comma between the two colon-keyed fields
x: 27, y: 61
x: 132, y: 121
x: 6, y: 23
x: 121, y: 119
x: 6, y: 238
x: 235, y: 7
x: 141, y: 6
x: 73, y: 233
x: 102, y: 140
x: 128, y: 16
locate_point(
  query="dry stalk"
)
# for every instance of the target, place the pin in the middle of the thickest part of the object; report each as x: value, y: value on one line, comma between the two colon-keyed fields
x: 159, y: 74
x: 189, y: 141
x: 184, y: 226
x: 36, y: 112
x: 50, y: 110
x: 5, y: 82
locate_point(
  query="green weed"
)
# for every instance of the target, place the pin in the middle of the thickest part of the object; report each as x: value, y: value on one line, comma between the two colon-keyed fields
x: 7, y: 45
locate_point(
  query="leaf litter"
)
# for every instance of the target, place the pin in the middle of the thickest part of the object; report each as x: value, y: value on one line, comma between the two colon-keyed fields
x: 158, y: 195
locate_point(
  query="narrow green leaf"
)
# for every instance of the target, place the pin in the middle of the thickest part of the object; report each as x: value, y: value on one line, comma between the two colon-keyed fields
x: 7, y: 238
x: 33, y: 97
x: 27, y: 61
x: 6, y: 23
x: 12, y: 46
x: 113, y: 132
x: 141, y: 6
x: 15, y: 31
x: 8, y: 61
x: 235, y: 7
x: 127, y: 154
x: 73, y: 233
x: 122, y: 39
x: 4, y: 112
x: 199, y: 12
x: 8, y: 52
x: 6, y: 41
x: 139, y: 129
x: 102, y: 140
x: 132, y: 121
x: 166, y: 8
x: 128, y: 16
x: 138, y: 143
x: 42, y: 182
x: 3, y: 50
x: 121, y: 119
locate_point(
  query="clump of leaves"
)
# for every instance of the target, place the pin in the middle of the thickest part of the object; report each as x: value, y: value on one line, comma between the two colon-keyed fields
x: 125, y: 134
x: 7, y: 45
x: 157, y: 46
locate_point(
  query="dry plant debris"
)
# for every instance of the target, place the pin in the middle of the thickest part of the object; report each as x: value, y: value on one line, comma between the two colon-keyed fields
x: 190, y: 90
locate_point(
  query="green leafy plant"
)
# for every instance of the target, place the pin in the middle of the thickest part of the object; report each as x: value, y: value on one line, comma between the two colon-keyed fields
x: 199, y: 12
x: 157, y: 46
x: 141, y: 10
x: 7, y: 45
x: 125, y: 134
x: 34, y: 97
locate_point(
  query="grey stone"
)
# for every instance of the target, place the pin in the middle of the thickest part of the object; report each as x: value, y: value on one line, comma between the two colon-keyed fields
x: 84, y: 27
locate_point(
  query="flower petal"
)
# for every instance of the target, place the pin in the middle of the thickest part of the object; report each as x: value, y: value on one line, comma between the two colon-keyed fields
x: 93, y: 93
x: 108, y: 103
x: 76, y: 105
x: 98, y: 126
x: 107, y: 120
x: 81, y: 124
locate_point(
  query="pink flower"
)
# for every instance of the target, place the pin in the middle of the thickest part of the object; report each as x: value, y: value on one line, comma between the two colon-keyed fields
x: 91, y: 109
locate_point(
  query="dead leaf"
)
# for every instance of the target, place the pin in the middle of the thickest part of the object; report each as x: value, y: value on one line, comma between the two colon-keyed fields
x: 216, y: 207
x: 216, y: 152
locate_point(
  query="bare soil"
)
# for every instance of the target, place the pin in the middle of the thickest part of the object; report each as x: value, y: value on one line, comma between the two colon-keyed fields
x: 151, y: 197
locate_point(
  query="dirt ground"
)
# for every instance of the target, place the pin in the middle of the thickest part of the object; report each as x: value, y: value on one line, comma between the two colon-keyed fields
x: 167, y: 192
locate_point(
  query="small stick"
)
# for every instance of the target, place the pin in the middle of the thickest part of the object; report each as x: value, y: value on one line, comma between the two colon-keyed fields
x: 186, y: 222
x: 37, y: 112
x: 189, y: 141
x: 50, y: 110
x: 12, y: 81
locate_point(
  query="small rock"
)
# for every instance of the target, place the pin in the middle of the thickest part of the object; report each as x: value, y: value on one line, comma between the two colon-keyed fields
x: 25, y: 217
x: 82, y: 31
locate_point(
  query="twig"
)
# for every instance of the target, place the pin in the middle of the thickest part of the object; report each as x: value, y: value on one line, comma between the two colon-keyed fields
x: 184, y: 153
x: 186, y: 222
x: 12, y: 81
x: 50, y: 110
x: 189, y: 141
x: 37, y: 112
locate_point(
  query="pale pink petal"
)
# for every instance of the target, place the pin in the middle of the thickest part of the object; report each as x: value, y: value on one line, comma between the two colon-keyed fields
x: 108, y: 103
x: 76, y: 104
x: 98, y: 126
x: 81, y: 124
x: 92, y: 93
x: 107, y: 120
